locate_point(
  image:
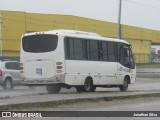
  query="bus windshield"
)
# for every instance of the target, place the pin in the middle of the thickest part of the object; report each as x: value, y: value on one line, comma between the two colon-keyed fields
x: 39, y: 43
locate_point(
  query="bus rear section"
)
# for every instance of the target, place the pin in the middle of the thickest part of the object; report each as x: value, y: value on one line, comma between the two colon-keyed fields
x: 40, y: 63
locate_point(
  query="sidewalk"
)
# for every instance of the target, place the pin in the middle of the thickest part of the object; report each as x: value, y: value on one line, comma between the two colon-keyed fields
x: 148, y: 72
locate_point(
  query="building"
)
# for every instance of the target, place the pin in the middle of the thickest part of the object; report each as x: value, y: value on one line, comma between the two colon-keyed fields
x: 13, y: 24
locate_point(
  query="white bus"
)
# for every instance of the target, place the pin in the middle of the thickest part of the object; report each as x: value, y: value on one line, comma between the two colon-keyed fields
x: 69, y: 58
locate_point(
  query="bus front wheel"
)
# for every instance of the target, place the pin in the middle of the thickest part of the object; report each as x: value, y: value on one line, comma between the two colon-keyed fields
x: 124, y: 86
x: 54, y: 88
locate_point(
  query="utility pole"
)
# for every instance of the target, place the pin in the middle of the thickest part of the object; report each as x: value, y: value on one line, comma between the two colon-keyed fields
x: 119, y: 20
x: 1, y: 54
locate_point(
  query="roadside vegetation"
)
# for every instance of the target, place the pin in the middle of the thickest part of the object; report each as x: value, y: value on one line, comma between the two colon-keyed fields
x: 5, y: 97
x: 53, y: 105
x: 152, y: 65
x: 148, y: 76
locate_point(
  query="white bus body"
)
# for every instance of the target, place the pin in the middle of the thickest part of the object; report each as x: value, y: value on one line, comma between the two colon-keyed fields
x: 68, y: 58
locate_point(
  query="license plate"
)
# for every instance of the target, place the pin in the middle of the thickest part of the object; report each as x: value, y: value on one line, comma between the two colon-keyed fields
x: 39, y: 71
x: 40, y: 82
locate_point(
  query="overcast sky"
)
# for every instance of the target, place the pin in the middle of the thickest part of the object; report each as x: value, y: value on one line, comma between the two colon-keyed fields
x: 141, y: 13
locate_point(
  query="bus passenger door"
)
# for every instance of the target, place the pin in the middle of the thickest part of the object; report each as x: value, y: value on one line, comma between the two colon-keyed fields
x: 126, y: 63
x: 123, y: 62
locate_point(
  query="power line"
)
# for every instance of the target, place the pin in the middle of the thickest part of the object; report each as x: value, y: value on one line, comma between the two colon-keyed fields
x: 142, y: 4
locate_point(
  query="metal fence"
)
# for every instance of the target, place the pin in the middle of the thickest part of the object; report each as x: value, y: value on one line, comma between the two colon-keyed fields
x: 10, y: 58
x: 142, y: 57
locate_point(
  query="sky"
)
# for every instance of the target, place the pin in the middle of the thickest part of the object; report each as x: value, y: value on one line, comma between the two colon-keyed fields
x: 140, y: 13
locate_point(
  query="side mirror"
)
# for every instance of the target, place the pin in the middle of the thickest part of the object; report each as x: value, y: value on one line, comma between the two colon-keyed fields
x: 132, y: 65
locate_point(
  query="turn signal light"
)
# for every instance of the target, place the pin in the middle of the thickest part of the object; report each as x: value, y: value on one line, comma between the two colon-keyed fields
x: 59, y: 67
x: 21, y: 66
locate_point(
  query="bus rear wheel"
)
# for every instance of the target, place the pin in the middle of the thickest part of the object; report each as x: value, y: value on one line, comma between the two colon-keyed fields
x: 54, y: 88
x: 124, y: 87
x: 88, y: 85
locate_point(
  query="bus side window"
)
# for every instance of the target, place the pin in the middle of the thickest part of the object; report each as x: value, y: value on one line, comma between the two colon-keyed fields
x: 111, y: 52
x: 123, y: 56
x: 132, y: 63
x: 86, y: 50
x: 69, y: 48
x: 104, y: 50
x: 126, y: 56
x: 94, y: 50
x: 78, y: 49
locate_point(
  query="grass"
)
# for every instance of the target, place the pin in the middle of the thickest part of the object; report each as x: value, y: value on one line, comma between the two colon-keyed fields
x: 5, y: 97
x: 148, y: 65
x: 148, y: 76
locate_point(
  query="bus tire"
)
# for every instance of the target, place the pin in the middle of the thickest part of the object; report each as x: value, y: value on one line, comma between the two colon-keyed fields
x: 54, y: 88
x: 124, y: 87
x: 88, y: 85
x: 80, y: 89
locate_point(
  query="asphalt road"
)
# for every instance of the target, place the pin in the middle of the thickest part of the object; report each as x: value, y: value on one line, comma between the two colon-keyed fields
x: 151, y: 104
x: 23, y: 94
x: 142, y: 84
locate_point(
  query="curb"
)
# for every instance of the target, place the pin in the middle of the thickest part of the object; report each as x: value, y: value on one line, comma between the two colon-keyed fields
x: 46, y: 104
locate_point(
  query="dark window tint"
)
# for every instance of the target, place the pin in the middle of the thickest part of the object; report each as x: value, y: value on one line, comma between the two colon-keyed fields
x: 39, y: 43
x: 119, y: 51
x: 94, y: 50
x: 86, y: 50
x: 69, y: 48
x: 104, y: 54
x: 111, y: 52
x: 78, y: 49
x: 12, y: 65
x: 125, y: 55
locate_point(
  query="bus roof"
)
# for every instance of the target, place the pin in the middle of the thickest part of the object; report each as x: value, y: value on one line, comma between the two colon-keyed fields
x: 78, y: 34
